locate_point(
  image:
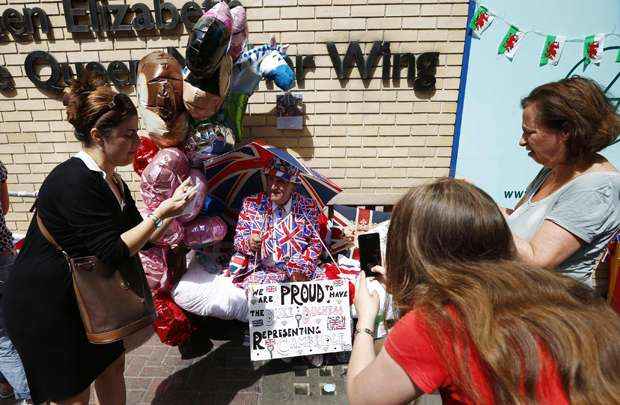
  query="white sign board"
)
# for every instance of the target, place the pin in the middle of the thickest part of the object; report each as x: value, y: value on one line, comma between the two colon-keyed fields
x: 297, y: 319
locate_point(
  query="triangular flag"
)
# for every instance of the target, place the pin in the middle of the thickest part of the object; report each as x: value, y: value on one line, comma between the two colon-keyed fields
x: 593, y: 49
x: 511, y: 42
x: 481, y: 21
x: 552, y: 51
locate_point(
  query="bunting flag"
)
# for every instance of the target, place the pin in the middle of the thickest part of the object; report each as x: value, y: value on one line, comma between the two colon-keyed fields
x: 593, y: 49
x: 552, y: 51
x: 481, y: 21
x: 509, y: 45
x: 593, y: 45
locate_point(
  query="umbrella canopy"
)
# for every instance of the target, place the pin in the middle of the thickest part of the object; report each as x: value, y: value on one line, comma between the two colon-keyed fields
x: 238, y: 174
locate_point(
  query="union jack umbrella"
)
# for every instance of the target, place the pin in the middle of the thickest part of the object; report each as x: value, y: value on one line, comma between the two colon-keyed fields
x: 238, y: 174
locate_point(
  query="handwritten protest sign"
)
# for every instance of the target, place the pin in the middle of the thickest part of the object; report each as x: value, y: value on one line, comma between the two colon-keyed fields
x: 296, y: 319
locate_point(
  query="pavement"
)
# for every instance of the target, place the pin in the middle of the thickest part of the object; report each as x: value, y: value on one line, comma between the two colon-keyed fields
x: 158, y: 374
x: 214, y: 368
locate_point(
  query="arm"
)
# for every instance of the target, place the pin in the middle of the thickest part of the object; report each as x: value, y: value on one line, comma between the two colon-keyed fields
x: 243, y: 231
x: 139, y: 235
x: 4, y: 189
x: 373, y: 380
x: 4, y: 193
x: 549, y: 247
x: 137, y: 219
x: 578, y: 216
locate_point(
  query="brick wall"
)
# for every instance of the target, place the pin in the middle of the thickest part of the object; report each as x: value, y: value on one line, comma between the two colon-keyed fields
x: 374, y: 139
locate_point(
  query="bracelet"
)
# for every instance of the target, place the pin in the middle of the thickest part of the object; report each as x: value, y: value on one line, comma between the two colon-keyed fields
x: 365, y: 330
x: 156, y: 220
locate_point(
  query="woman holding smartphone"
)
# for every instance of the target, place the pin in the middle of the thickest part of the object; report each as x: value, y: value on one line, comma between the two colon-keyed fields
x: 476, y: 324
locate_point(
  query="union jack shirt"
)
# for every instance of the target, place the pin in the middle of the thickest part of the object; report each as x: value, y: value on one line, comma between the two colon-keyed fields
x: 289, y: 244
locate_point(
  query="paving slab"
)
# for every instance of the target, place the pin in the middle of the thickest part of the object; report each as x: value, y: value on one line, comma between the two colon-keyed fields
x: 157, y: 374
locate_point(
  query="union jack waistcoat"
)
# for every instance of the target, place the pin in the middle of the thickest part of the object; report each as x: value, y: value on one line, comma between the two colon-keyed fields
x: 289, y: 244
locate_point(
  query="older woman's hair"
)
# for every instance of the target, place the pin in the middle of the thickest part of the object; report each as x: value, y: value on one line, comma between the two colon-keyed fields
x: 450, y: 255
x: 578, y: 106
x: 87, y: 102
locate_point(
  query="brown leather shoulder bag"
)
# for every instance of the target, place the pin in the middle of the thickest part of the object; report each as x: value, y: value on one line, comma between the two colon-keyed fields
x: 114, y: 302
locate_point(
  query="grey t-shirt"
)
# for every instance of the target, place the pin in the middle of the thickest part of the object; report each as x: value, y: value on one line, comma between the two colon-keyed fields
x: 588, y: 207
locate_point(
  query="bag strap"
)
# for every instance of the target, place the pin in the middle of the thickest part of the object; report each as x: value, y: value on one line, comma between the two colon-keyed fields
x: 46, y: 234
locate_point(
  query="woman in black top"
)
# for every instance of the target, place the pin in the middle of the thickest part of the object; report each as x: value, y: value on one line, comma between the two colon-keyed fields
x: 88, y: 210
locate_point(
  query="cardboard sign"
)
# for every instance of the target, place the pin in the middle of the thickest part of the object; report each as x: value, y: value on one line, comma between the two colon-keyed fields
x: 296, y: 319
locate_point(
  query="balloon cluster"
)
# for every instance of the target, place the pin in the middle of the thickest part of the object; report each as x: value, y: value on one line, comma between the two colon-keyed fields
x: 191, y: 114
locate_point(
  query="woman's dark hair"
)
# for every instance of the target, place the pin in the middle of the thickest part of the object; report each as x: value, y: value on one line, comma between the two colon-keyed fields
x: 450, y: 251
x: 578, y: 106
x: 91, y: 103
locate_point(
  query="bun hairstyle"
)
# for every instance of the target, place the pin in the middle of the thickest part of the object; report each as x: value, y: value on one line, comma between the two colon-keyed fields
x: 91, y: 103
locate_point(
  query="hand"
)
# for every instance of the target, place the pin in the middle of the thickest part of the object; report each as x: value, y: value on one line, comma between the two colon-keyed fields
x: 380, y: 273
x: 506, y: 212
x: 366, y: 304
x: 255, y: 243
x: 379, y: 270
x: 174, y: 206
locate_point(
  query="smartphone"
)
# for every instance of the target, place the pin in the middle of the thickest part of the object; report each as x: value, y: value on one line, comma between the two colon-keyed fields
x: 370, y: 252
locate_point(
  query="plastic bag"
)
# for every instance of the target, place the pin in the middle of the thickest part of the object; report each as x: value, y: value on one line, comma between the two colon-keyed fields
x: 206, y: 294
x: 204, y: 231
x: 145, y: 153
x: 192, y: 209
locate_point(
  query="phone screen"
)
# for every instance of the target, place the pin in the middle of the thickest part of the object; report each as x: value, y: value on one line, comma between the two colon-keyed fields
x: 370, y: 252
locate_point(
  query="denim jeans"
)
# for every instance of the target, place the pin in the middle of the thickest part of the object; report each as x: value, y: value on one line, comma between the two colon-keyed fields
x: 12, y: 369
x: 10, y: 364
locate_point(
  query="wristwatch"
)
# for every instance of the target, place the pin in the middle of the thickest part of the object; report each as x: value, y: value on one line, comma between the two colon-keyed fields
x: 156, y: 220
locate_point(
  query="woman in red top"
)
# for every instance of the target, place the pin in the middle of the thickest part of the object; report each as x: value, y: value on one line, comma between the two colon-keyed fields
x: 477, y: 325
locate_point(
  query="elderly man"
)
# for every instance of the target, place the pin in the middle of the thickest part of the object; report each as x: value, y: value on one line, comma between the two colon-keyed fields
x: 276, y: 239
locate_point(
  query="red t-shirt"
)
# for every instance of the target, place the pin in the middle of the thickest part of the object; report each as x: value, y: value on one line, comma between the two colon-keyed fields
x: 409, y: 344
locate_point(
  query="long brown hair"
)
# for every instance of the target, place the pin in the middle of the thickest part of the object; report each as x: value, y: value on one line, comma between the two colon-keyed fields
x: 578, y: 106
x: 449, y: 248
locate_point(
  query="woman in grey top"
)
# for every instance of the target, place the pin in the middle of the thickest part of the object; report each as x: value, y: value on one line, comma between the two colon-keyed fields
x: 571, y: 210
